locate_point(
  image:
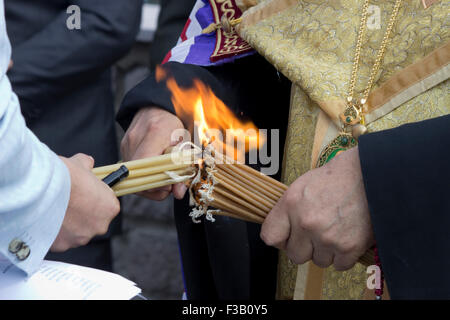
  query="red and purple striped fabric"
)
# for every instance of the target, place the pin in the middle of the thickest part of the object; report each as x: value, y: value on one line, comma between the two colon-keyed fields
x: 193, y: 47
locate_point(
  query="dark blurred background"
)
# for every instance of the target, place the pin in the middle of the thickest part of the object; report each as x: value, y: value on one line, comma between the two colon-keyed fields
x: 147, y: 250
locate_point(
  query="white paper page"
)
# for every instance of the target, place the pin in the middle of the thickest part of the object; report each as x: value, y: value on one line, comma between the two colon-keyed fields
x: 62, y: 281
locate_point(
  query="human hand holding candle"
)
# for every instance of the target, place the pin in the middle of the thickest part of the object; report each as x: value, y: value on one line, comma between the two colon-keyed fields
x: 92, y: 205
x: 323, y: 216
x: 150, y: 135
x: 219, y: 184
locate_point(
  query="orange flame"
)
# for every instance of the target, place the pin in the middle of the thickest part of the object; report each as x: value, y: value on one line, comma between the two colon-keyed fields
x: 214, y: 122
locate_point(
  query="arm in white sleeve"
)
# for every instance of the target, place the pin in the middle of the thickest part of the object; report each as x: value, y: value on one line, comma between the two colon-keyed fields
x: 34, y: 190
x: 34, y: 182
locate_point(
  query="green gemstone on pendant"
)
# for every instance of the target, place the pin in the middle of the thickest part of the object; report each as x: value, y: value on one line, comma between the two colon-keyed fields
x: 341, y: 143
x: 344, y: 141
x: 348, y: 119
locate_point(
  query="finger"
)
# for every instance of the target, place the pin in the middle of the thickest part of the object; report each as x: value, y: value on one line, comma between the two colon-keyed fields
x: 114, y: 205
x: 344, y: 262
x: 322, y: 257
x: 132, y: 138
x: 155, y: 195
x: 84, y: 160
x: 148, y: 148
x: 57, y: 247
x: 174, y: 142
x: 173, y: 146
x: 62, y: 243
x: 276, y: 227
x: 299, y: 248
x: 179, y: 190
x: 165, y: 188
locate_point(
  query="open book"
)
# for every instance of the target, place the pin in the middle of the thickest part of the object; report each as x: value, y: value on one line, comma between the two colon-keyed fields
x: 62, y: 281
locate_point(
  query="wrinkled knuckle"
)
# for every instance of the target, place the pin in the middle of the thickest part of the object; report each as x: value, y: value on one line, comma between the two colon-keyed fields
x: 176, y: 123
x: 130, y: 137
x: 291, y: 200
x: 124, y: 144
x: 82, y: 241
x: 269, y: 238
x: 157, y: 126
x: 88, y: 160
x: 115, y: 207
x: 308, y: 221
x: 264, y: 236
x: 327, y: 239
x: 103, y: 229
x: 347, y: 247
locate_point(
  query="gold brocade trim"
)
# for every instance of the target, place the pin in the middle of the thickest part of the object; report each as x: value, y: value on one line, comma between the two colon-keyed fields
x: 409, y: 76
x: 348, y: 285
x: 300, y: 39
x: 410, y: 82
x: 321, y: 130
x: 263, y: 10
x: 411, y: 92
x: 401, y: 87
x: 296, y: 161
x: 309, y: 42
x: 287, y: 277
x: 228, y: 42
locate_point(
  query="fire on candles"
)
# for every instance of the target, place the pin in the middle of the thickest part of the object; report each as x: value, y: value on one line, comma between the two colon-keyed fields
x: 219, y: 182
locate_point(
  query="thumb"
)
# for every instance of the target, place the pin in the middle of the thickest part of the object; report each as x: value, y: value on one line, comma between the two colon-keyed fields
x: 84, y: 160
x: 276, y: 228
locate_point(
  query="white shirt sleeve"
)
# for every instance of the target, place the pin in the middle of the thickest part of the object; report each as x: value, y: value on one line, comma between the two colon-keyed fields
x: 34, y: 182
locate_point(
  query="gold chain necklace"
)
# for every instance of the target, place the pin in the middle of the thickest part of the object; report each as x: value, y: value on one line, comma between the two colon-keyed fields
x: 352, y: 118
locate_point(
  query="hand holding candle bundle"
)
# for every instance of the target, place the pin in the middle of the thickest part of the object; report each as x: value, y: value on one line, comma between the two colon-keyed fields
x: 153, y: 172
x: 219, y: 184
x: 238, y: 191
x: 226, y: 189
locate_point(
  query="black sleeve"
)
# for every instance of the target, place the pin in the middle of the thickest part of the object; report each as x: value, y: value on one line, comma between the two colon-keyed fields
x: 250, y: 86
x: 56, y: 59
x: 407, y: 179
